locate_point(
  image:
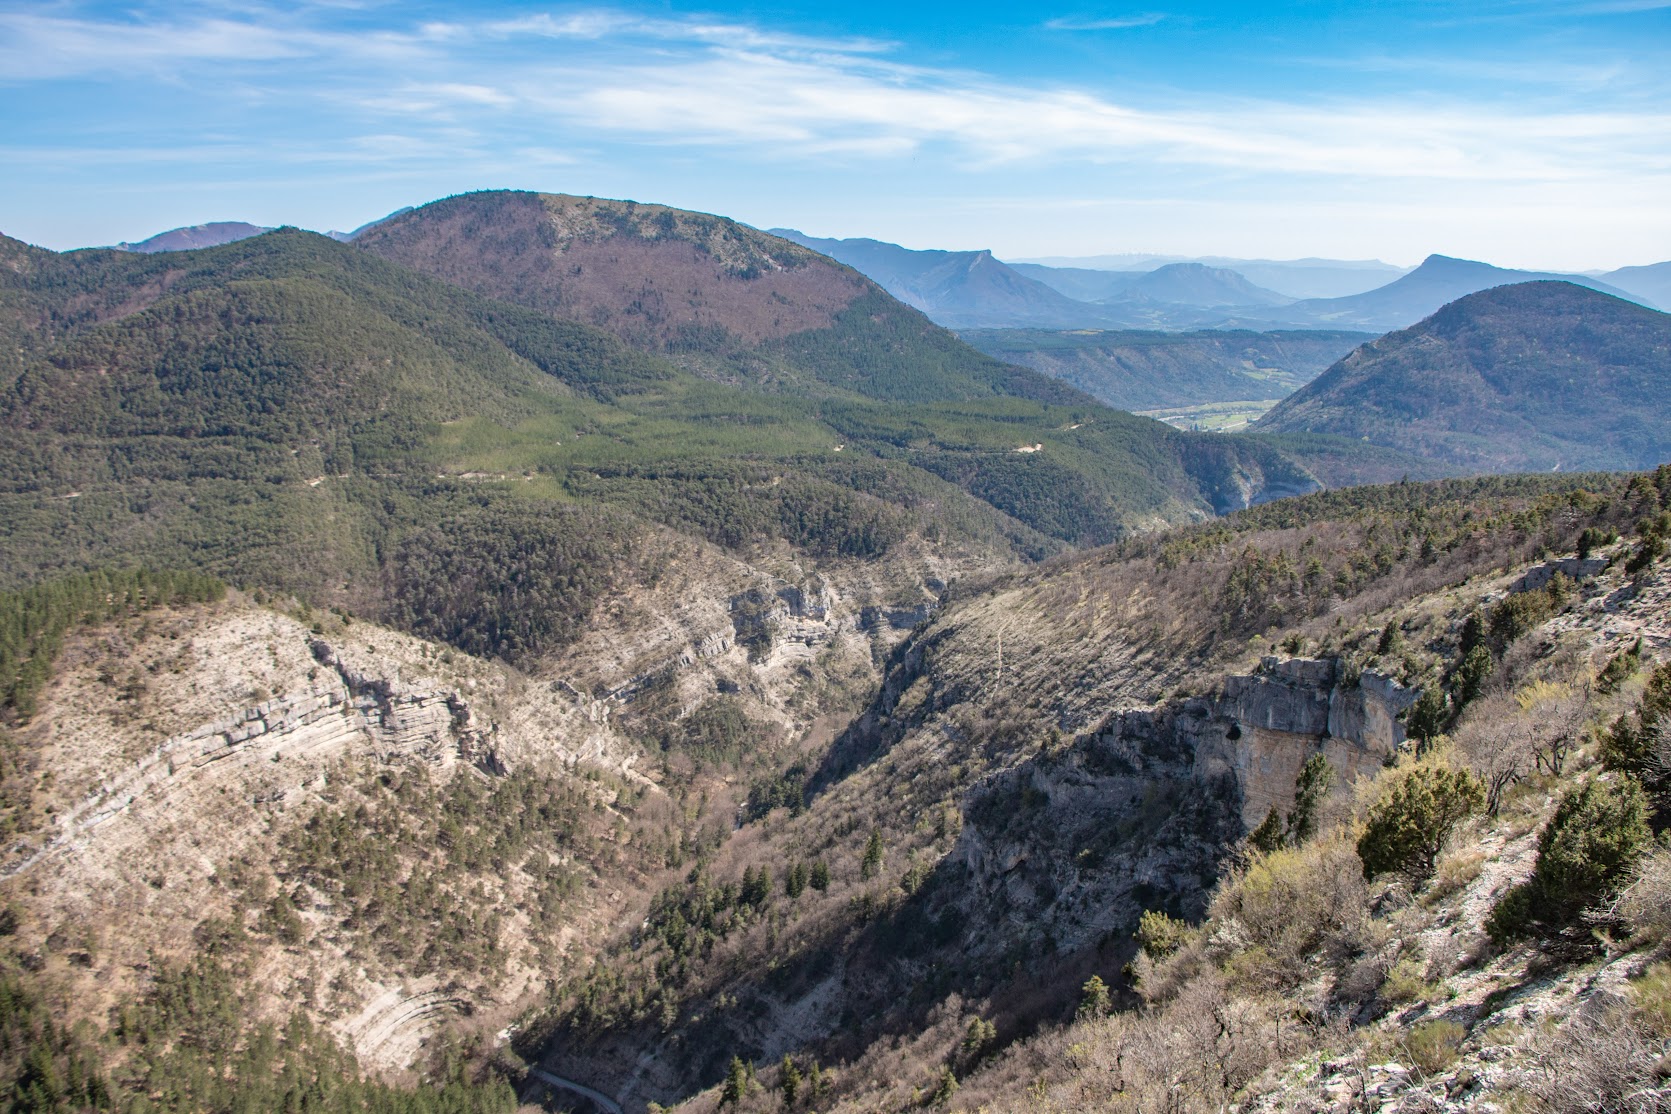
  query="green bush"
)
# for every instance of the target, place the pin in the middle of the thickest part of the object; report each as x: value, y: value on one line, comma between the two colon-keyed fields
x: 1268, y: 836
x: 1628, y: 745
x: 1292, y: 905
x: 1408, y: 828
x: 1427, y: 718
x: 1093, y: 997
x: 1585, y: 854
x: 1519, y: 614
x: 1639, y: 744
x: 1434, y: 1046
x: 1310, y: 789
x: 1620, y: 668
x: 1472, y: 672
x: 1161, y: 935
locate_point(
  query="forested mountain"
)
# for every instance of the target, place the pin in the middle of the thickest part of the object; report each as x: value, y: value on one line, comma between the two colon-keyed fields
x: 727, y: 300
x: 289, y: 405
x: 1144, y: 370
x: 1530, y: 377
x: 416, y: 699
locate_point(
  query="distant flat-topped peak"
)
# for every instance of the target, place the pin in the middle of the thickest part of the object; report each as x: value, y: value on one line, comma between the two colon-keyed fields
x: 651, y: 274
x: 191, y: 237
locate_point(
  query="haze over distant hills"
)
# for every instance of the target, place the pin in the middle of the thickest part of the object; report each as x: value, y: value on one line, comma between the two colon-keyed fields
x: 1196, y: 284
x: 1406, y: 300
x: 1534, y: 376
x: 1652, y: 282
x: 1294, y: 278
x: 958, y: 289
x: 972, y: 289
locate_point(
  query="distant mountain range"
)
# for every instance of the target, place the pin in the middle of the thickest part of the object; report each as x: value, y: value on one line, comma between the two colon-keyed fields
x: 1186, y: 283
x: 1652, y: 282
x: 975, y: 290
x: 1196, y: 284
x: 1293, y: 278
x: 1406, y: 300
x: 1537, y: 376
x: 216, y: 233
x: 957, y: 289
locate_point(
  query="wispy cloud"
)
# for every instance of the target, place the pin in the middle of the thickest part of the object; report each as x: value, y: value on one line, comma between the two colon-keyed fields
x: 39, y: 46
x: 1116, y: 23
x: 605, y: 75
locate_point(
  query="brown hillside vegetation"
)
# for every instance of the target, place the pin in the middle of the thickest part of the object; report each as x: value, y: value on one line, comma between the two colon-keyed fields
x: 1301, y: 984
x: 989, y: 830
x: 657, y: 277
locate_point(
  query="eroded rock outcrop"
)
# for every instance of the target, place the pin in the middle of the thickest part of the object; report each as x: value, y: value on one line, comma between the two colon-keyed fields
x: 1265, y: 725
x: 283, y: 741
x: 1072, y: 846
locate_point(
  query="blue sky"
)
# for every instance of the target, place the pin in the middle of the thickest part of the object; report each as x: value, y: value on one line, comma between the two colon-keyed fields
x: 1526, y: 132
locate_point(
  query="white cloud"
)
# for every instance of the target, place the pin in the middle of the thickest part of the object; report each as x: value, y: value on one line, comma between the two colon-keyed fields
x: 807, y: 106
x: 555, y: 83
x: 1121, y: 23
x: 36, y: 46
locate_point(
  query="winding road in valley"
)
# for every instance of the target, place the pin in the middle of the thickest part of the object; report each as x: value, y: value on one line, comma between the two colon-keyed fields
x: 603, y: 1101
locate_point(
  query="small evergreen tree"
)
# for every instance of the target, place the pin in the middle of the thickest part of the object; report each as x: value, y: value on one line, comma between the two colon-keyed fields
x: 1620, y: 668
x: 819, y: 877
x: 1267, y: 837
x: 1585, y: 854
x: 1093, y: 997
x: 789, y: 1080
x: 1628, y: 745
x: 946, y: 1088
x: 736, y: 1083
x: 1310, y: 789
x: 1160, y: 935
x: 979, y: 1037
x: 872, y: 862
x: 1427, y: 717
x: 1472, y: 672
x: 1408, y: 828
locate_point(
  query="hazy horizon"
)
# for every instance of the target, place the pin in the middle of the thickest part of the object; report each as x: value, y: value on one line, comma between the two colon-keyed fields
x: 1523, y: 133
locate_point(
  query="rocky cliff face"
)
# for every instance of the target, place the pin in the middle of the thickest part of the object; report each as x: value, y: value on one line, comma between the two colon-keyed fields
x: 179, y: 751
x: 1074, y: 845
x: 175, y: 754
x: 1272, y: 721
